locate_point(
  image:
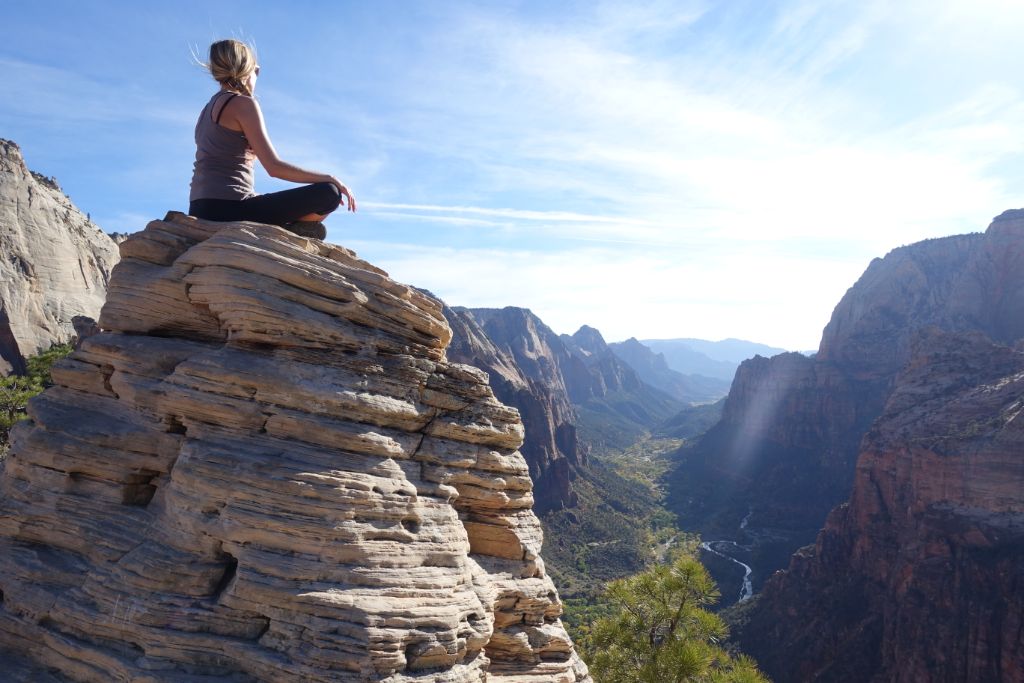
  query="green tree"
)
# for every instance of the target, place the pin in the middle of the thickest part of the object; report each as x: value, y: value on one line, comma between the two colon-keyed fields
x: 16, y: 390
x: 662, y: 632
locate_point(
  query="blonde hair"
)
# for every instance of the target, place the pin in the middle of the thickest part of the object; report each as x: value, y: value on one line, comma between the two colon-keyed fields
x: 231, y: 63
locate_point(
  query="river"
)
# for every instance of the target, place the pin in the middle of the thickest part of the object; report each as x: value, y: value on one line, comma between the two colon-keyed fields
x: 716, y: 547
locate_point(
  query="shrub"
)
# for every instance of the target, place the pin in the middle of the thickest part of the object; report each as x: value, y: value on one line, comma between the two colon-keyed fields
x: 661, y: 631
x: 16, y: 390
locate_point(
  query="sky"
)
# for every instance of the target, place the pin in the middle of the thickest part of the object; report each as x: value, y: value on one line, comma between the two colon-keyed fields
x: 654, y: 170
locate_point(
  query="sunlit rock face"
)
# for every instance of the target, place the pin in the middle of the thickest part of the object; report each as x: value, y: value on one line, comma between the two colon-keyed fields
x: 920, y: 577
x: 787, y: 446
x: 55, y: 262
x: 265, y: 469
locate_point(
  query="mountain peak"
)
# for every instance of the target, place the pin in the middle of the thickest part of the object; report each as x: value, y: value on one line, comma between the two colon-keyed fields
x: 589, y: 339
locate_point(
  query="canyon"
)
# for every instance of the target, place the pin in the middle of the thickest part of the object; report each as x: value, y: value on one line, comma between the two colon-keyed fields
x: 788, y: 442
x: 276, y: 463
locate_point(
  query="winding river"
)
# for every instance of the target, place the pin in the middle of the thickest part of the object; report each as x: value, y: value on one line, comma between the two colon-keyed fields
x: 716, y: 547
x: 747, y: 591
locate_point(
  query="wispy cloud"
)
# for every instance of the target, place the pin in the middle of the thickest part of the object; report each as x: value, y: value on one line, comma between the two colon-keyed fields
x: 48, y: 93
x: 521, y: 214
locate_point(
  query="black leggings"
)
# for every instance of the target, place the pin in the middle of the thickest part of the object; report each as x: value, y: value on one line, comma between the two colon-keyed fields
x: 276, y: 208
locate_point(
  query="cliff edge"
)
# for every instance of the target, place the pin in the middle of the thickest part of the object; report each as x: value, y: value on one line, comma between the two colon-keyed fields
x: 265, y: 469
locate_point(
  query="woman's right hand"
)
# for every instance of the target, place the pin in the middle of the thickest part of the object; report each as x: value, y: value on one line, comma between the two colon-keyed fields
x: 345, y: 194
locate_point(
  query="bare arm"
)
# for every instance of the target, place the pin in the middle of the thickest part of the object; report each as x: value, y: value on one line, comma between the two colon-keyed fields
x: 246, y: 112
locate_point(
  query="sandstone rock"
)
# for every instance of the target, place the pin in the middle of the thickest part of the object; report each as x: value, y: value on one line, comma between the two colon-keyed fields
x: 919, y: 576
x: 56, y: 262
x: 266, y: 469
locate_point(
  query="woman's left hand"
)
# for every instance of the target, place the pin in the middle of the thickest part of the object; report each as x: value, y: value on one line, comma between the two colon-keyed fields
x: 345, y: 194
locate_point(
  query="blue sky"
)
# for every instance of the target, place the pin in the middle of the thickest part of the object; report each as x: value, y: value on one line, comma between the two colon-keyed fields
x: 663, y: 169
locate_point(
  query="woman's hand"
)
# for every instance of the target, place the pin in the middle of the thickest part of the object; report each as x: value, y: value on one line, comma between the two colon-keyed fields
x: 345, y: 194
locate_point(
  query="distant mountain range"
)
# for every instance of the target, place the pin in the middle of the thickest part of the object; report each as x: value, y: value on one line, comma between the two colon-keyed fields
x: 654, y: 369
x: 716, y: 359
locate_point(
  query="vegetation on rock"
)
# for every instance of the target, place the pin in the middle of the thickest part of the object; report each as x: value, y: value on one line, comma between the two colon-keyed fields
x: 16, y: 390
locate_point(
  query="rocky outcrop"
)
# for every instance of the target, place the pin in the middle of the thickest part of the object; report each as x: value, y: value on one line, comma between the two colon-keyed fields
x: 786, y: 450
x: 55, y: 265
x: 265, y: 469
x: 652, y: 368
x: 920, y: 577
x: 530, y: 382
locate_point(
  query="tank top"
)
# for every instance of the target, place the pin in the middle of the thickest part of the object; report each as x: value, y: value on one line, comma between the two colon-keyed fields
x: 224, y: 160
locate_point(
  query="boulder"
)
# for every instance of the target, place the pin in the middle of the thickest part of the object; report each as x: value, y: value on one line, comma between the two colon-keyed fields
x: 265, y: 469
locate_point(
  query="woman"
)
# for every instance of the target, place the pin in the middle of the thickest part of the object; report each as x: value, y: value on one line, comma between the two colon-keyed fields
x: 230, y: 135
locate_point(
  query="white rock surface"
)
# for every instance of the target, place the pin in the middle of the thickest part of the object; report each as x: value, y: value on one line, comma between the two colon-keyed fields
x: 55, y: 262
x: 265, y: 470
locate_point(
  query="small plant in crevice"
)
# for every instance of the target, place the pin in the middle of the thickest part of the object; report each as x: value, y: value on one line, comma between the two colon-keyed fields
x: 16, y: 390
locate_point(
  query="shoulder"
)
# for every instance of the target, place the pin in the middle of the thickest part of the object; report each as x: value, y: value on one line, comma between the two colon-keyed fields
x: 243, y: 105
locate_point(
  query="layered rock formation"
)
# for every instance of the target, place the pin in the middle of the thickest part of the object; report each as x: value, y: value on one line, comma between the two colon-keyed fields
x: 265, y: 469
x: 55, y: 265
x: 785, y: 452
x: 921, y: 576
x: 533, y: 386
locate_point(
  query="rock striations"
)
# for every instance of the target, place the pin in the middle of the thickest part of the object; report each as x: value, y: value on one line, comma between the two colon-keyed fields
x: 265, y: 469
x: 920, y: 577
x: 55, y: 265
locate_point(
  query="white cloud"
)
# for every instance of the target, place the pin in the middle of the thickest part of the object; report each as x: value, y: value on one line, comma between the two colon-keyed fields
x: 779, y: 299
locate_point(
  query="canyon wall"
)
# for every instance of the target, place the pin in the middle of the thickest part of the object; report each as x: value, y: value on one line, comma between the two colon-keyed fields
x: 920, y: 577
x: 531, y: 382
x: 786, y: 448
x: 55, y: 265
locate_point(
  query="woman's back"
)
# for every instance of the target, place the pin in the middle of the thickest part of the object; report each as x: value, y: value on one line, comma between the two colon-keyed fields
x: 224, y: 167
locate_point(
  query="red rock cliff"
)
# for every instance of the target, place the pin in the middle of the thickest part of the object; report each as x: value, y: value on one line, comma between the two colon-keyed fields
x: 920, y: 577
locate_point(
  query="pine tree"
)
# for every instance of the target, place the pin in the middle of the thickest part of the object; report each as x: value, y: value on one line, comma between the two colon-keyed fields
x: 663, y: 633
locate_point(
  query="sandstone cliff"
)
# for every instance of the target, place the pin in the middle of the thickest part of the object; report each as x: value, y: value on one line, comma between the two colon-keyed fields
x: 265, y: 469
x: 55, y: 265
x: 785, y: 452
x: 921, y: 576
